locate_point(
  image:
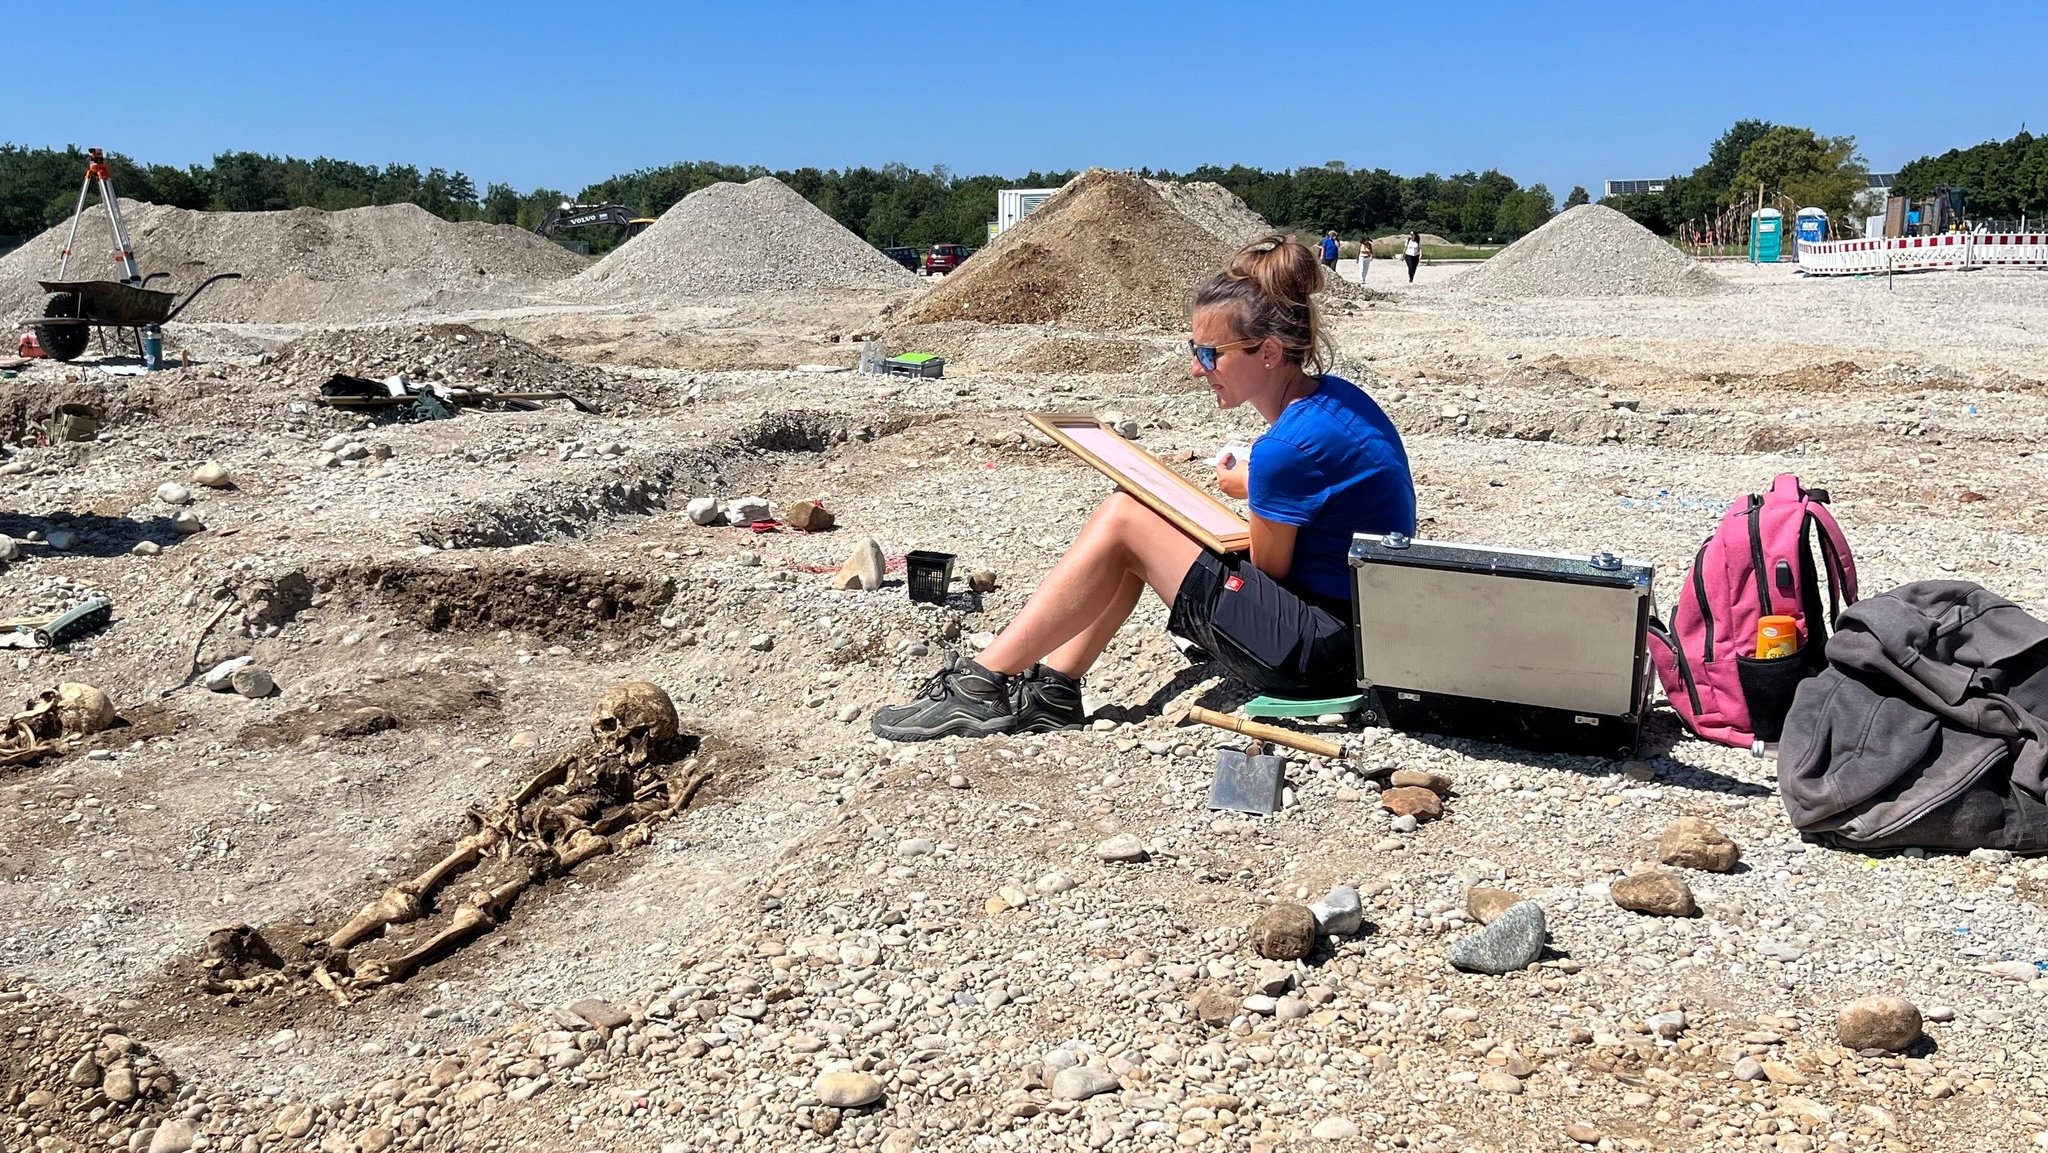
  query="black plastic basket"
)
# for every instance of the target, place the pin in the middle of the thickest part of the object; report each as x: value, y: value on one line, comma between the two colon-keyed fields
x: 930, y: 575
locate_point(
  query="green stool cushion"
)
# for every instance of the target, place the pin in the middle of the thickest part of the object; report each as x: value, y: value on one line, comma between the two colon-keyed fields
x: 1261, y: 707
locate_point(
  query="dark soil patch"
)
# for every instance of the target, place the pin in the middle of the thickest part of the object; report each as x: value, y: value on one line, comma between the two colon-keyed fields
x: 29, y: 400
x: 560, y: 602
x: 417, y: 700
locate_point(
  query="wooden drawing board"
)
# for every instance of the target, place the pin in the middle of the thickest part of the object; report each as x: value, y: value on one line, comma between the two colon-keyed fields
x: 1209, y: 521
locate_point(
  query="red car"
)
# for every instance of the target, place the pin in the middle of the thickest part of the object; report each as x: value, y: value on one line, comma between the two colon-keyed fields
x: 944, y: 257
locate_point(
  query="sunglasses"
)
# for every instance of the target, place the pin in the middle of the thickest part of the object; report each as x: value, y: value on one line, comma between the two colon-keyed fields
x: 1205, y: 354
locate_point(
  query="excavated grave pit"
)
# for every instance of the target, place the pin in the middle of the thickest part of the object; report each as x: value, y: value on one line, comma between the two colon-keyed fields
x: 300, y: 971
x: 558, y: 509
x: 554, y: 601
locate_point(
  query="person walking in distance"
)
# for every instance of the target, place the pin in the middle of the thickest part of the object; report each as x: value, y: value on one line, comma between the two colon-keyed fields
x: 1412, y: 253
x: 1364, y: 257
x: 1277, y: 618
x: 1330, y: 251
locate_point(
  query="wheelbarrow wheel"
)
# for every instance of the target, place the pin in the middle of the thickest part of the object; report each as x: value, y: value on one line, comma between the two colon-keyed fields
x: 62, y: 341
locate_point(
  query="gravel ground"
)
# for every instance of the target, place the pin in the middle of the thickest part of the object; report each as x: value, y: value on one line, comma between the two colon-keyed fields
x: 850, y: 945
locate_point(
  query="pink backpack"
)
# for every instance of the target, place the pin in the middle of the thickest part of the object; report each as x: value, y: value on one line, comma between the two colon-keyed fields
x: 1760, y: 562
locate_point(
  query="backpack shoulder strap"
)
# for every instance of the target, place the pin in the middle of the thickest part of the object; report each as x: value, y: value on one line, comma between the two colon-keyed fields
x: 1834, y: 549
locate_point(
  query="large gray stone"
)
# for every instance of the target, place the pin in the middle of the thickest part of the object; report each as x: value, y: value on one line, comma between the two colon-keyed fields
x: 848, y: 1089
x: 1123, y: 847
x: 745, y: 510
x: 1339, y: 914
x: 252, y: 681
x: 1082, y: 1082
x: 1508, y: 945
x: 173, y: 1137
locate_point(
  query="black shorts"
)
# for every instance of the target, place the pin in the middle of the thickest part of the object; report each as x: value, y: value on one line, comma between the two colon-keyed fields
x: 1265, y: 634
x: 1330, y: 262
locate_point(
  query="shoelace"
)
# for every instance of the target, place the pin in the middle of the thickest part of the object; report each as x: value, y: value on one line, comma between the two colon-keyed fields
x: 935, y: 685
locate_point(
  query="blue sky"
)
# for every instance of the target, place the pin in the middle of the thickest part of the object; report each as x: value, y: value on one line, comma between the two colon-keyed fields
x: 561, y: 94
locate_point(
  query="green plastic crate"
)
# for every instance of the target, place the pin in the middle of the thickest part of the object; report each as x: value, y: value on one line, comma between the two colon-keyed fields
x: 916, y: 364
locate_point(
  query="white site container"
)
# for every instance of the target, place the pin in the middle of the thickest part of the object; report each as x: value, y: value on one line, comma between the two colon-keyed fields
x: 1014, y: 204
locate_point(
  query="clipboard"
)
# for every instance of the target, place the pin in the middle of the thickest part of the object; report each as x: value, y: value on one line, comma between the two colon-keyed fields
x: 1211, y: 523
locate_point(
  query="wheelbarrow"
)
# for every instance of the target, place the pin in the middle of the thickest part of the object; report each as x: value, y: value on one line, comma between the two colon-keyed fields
x: 76, y: 306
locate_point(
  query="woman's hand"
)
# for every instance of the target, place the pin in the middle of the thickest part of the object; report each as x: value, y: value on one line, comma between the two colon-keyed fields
x: 1233, y: 475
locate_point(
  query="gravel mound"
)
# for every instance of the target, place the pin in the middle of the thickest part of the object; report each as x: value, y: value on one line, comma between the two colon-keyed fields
x: 1108, y: 251
x: 1215, y: 208
x: 304, y: 266
x: 454, y: 354
x: 738, y: 240
x: 1590, y: 251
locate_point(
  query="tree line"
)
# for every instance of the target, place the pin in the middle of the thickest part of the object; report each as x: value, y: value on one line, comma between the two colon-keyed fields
x: 890, y: 205
x: 2001, y: 179
x: 895, y: 204
x: 1787, y: 165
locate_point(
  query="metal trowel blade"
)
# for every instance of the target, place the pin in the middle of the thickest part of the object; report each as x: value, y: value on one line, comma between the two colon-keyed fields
x: 1246, y: 784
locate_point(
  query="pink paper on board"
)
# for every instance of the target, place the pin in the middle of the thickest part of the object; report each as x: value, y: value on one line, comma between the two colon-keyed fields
x: 1144, y: 469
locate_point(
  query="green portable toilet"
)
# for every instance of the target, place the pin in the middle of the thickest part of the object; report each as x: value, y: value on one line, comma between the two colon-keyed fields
x: 1766, y: 235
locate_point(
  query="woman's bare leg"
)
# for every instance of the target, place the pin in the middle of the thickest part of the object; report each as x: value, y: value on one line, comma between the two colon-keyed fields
x: 1089, y: 593
x: 1079, y: 654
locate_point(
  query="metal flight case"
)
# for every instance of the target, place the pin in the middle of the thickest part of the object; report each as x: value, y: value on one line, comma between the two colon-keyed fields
x: 1541, y: 651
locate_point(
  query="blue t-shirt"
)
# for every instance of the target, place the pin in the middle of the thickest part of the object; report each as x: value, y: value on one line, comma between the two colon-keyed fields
x: 1329, y: 248
x: 1332, y: 466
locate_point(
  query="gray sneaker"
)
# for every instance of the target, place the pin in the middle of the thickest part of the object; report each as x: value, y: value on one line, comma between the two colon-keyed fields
x: 961, y: 700
x: 1047, y: 700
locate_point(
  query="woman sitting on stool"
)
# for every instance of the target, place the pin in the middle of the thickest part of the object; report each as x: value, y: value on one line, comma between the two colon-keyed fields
x: 1330, y: 466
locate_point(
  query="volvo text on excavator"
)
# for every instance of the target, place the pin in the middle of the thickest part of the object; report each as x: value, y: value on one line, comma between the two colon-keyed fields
x: 573, y: 216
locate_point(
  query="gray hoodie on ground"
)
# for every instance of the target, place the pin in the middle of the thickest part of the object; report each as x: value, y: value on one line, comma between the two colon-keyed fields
x: 1928, y: 728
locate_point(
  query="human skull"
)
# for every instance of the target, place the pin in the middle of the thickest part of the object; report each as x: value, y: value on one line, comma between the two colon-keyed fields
x: 82, y: 709
x: 633, y: 720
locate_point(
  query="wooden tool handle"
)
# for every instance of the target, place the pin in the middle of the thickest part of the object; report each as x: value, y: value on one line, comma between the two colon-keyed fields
x: 1266, y: 732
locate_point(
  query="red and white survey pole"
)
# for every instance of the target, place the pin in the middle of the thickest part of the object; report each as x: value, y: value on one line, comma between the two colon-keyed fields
x: 96, y: 173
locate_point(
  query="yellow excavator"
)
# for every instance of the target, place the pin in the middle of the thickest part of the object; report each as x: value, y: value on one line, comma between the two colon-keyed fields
x: 572, y: 216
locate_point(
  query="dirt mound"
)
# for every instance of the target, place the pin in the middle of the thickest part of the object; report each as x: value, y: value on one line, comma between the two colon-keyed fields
x: 1108, y: 251
x: 304, y: 266
x: 454, y: 354
x: 1590, y: 251
x: 1216, y: 209
x: 738, y: 240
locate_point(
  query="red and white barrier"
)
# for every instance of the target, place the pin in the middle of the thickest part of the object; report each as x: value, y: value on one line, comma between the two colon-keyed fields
x: 1952, y: 250
x: 2021, y: 249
